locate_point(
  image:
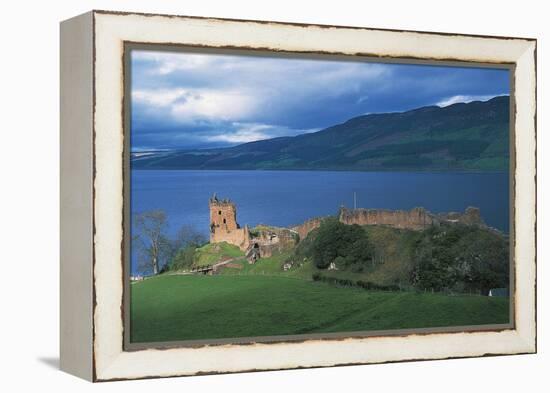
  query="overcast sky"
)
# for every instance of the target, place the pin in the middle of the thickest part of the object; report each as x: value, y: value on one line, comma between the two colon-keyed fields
x: 190, y: 100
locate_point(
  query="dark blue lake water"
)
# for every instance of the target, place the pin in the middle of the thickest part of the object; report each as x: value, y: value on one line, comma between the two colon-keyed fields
x: 284, y: 198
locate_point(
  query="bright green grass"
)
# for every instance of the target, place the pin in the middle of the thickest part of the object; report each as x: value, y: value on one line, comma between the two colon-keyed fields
x: 212, y: 253
x: 264, y: 266
x: 271, y: 266
x: 168, y: 308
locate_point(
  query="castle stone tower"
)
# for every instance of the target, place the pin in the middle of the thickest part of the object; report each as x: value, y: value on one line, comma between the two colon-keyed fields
x: 223, y: 223
x: 223, y: 215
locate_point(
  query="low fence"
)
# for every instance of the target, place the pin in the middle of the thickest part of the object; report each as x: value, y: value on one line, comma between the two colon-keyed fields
x: 202, y: 269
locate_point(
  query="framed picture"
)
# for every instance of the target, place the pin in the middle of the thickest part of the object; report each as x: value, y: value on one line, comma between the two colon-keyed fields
x: 246, y: 195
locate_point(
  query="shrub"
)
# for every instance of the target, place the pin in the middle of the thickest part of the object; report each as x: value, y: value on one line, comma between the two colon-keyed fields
x: 183, y: 259
x: 461, y: 258
x: 335, y: 241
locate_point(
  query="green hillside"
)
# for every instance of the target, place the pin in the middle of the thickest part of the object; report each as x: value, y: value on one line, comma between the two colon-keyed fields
x: 175, y: 307
x: 210, y: 254
x: 446, y: 258
x: 473, y: 136
x: 449, y: 258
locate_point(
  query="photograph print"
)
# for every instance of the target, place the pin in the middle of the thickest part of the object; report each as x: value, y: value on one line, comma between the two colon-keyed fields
x: 276, y: 197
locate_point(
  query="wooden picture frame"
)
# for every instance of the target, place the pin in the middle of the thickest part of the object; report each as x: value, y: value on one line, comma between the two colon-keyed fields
x: 94, y: 194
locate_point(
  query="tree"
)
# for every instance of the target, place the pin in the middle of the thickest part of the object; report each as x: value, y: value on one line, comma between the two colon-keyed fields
x: 360, y: 252
x: 487, y: 257
x: 461, y: 258
x: 182, y: 248
x: 335, y: 239
x: 150, y: 238
x: 187, y: 236
x: 436, y: 255
x: 183, y: 258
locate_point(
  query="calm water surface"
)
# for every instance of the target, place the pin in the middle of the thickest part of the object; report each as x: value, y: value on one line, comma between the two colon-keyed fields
x: 284, y: 198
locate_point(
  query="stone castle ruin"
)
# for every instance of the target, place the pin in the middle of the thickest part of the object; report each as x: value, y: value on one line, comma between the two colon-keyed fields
x: 414, y: 219
x: 224, y: 226
x: 263, y: 241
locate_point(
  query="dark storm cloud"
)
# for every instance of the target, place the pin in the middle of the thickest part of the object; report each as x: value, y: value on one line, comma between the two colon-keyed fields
x: 184, y: 100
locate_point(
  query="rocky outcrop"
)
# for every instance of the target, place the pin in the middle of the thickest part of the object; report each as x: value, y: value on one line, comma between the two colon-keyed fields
x: 471, y: 216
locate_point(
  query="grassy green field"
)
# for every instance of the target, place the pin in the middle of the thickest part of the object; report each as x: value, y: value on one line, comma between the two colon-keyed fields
x: 178, y: 307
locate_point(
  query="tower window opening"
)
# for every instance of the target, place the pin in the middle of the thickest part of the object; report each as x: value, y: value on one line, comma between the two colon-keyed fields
x: 224, y: 220
x: 219, y: 212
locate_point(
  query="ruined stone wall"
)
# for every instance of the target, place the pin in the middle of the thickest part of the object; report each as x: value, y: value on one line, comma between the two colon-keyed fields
x: 307, y: 227
x: 239, y: 237
x: 416, y: 219
x: 273, y: 239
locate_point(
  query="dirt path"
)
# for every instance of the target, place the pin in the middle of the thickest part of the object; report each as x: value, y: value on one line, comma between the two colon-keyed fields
x: 201, y: 270
x: 225, y: 262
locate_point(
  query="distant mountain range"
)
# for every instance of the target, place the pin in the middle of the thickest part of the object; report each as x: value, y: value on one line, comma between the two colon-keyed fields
x: 469, y: 137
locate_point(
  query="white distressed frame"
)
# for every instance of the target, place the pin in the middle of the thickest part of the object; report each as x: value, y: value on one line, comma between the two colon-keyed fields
x: 111, y: 30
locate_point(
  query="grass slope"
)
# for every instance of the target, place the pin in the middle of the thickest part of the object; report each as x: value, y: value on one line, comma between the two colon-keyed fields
x: 265, y: 266
x: 216, y: 252
x: 395, y: 257
x: 270, y: 266
x: 167, y: 308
